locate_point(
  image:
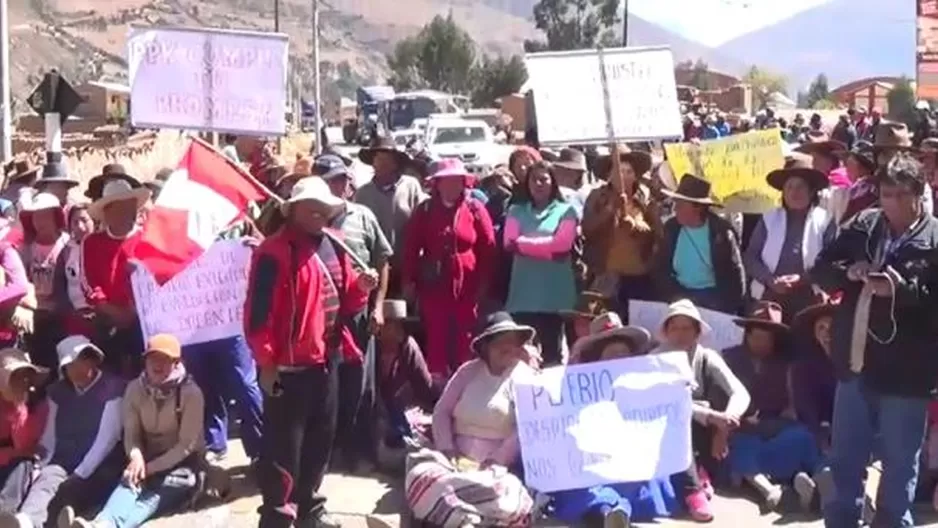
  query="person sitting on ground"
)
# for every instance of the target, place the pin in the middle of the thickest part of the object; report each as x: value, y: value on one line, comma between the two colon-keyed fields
x: 80, y: 461
x: 589, y: 305
x: 75, y: 310
x: 405, y: 387
x: 770, y: 448
x: 475, y: 437
x: 615, y: 505
x: 22, y: 416
x: 682, y: 329
x: 163, y: 439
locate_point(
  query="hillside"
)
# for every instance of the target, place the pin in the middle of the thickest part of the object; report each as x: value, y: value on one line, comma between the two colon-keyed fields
x: 85, y: 38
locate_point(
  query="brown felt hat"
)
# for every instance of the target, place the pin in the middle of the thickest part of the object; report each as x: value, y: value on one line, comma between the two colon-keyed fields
x: 798, y: 165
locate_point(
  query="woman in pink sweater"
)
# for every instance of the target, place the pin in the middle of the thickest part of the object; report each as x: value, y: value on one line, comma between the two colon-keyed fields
x: 476, y: 438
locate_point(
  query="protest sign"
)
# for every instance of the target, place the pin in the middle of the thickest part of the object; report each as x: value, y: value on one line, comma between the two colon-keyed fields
x: 570, y: 102
x: 735, y: 166
x: 627, y: 420
x: 208, y: 80
x: 203, y: 303
x: 724, y: 332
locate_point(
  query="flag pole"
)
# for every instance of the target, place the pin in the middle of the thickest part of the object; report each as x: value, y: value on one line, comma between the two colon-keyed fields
x: 361, y: 264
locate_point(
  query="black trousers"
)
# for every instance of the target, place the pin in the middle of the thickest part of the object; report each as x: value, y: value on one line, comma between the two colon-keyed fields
x: 47, y: 332
x: 299, y: 429
x: 688, y: 482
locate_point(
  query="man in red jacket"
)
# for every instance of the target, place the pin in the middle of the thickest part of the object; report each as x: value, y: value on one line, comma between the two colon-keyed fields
x: 301, y: 292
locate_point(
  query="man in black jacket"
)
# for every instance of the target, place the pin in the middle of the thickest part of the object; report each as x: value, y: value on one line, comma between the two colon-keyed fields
x: 885, y: 263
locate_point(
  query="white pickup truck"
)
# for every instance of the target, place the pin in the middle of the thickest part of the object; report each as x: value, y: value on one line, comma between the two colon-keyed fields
x: 472, y: 141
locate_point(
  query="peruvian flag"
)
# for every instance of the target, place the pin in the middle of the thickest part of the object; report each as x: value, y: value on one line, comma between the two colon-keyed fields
x: 203, y: 197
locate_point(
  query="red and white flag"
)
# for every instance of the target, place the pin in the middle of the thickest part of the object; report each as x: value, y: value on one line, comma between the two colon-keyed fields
x: 203, y: 197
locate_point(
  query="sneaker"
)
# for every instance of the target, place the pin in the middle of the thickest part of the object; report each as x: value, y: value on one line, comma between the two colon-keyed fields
x: 617, y: 518
x: 15, y: 520
x: 698, y: 506
x: 773, y: 498
x: 66, y: 518
x: 806, y: 489
x: 216, y: 457
x: 323, y: 520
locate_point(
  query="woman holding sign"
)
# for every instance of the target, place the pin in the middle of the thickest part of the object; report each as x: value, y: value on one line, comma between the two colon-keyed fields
x: 615, y: 505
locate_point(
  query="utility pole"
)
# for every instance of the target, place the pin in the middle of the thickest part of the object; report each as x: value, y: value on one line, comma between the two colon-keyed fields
x: 277, y: 15
x: 6, y: 126
x: 317, y: 86
x: 625, y: 24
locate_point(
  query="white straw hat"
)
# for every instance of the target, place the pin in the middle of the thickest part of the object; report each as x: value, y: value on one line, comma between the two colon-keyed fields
x: 117, y: 190
x: 688, y: 309
x: 312, y: 188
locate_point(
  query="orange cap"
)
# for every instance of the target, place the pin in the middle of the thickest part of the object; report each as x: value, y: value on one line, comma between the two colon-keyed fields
x: 166, y: 344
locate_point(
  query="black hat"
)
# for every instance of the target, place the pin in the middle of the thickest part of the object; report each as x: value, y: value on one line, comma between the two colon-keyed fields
x: 383, y: 144
x: 692, y: 189
x: 111, y: 171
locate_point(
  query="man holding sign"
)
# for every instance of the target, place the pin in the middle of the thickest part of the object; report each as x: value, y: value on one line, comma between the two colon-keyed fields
x: 301, y: 291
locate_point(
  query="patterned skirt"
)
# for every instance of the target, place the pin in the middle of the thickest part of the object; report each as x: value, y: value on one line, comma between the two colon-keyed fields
x: 439, y: 493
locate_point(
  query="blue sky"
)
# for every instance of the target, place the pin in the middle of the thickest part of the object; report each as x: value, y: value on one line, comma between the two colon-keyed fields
x: 696, y: 19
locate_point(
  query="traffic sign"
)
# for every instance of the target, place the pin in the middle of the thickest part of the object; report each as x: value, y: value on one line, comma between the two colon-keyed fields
x: 55, y: 94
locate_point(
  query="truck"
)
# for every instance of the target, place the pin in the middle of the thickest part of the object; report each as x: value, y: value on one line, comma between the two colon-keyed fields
x: 407, y: 107
x: 370, y: 114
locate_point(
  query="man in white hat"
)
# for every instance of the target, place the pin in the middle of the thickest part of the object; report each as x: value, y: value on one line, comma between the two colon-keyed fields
x: 301, y: 292
x: 105, y: 271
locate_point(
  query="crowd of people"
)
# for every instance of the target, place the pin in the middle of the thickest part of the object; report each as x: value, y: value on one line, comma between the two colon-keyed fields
x: 388, y: 322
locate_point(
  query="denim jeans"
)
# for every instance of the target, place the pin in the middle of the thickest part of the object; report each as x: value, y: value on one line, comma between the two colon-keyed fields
x: 128, y: 508
x: 866, y: 421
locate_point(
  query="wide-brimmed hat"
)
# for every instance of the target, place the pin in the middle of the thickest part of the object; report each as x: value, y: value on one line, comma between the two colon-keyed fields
x: 766, y: 315
x: 571, y: 159
x: 383, y: 144
x: 863, y: 152
x: 313, y: 189
x: 21, y: 169
x: 112, y: 171
x: 606, y: 326
x: 448, y: 168
x: 686, y: 308
x: 640, y: 161
x: 818, y: 142
x: 892, y: 136
x: 13, y: 360
x: 70, y: 348
x: 798, y: 165
x: 692, y: 189
x: 166, y: 344
x: 55, y: 172
x: 118, y: 190
x: 826, y: 305
x: 42, y: 201
x: 501, y: 323
x: 589, y: 304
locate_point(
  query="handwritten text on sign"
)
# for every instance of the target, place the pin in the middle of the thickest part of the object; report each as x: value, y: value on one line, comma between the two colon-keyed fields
x: 735, y: 166
x: 626, y: 420
x: 203, y: 303
x: 200, y: 79
x: 724, y: 332
x: 569, y: 101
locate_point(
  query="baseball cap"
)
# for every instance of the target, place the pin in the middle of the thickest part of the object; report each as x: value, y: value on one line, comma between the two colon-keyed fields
x: 328, y: 164
x: 70, y: 348
x: 166, y: 344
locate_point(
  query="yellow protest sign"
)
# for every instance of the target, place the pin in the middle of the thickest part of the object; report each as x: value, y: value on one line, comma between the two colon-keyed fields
x: 735, y: 166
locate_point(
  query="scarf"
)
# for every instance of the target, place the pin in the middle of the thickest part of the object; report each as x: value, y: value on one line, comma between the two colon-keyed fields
x: 165, y: 390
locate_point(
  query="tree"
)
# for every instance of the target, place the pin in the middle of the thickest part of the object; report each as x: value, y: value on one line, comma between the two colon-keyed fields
x: 700, y: 75
x: 497, y: 77
x: 818, y: 91
x: 901, y: 101
x: 764, y: 83
x: 442, y: 56
x: 574, y: 24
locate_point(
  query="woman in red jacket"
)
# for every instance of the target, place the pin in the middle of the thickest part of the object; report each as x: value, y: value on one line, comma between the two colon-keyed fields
x: 22, y: 416
x: 449, y: 250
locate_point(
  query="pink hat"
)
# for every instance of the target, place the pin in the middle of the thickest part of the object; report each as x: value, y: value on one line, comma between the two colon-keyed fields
x: 448, y: 167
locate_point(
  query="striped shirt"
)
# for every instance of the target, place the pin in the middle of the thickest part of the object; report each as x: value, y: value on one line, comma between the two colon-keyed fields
x: 363, y: 234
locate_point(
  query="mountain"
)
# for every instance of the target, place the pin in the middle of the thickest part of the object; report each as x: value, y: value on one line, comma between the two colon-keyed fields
x: 844, y: 39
